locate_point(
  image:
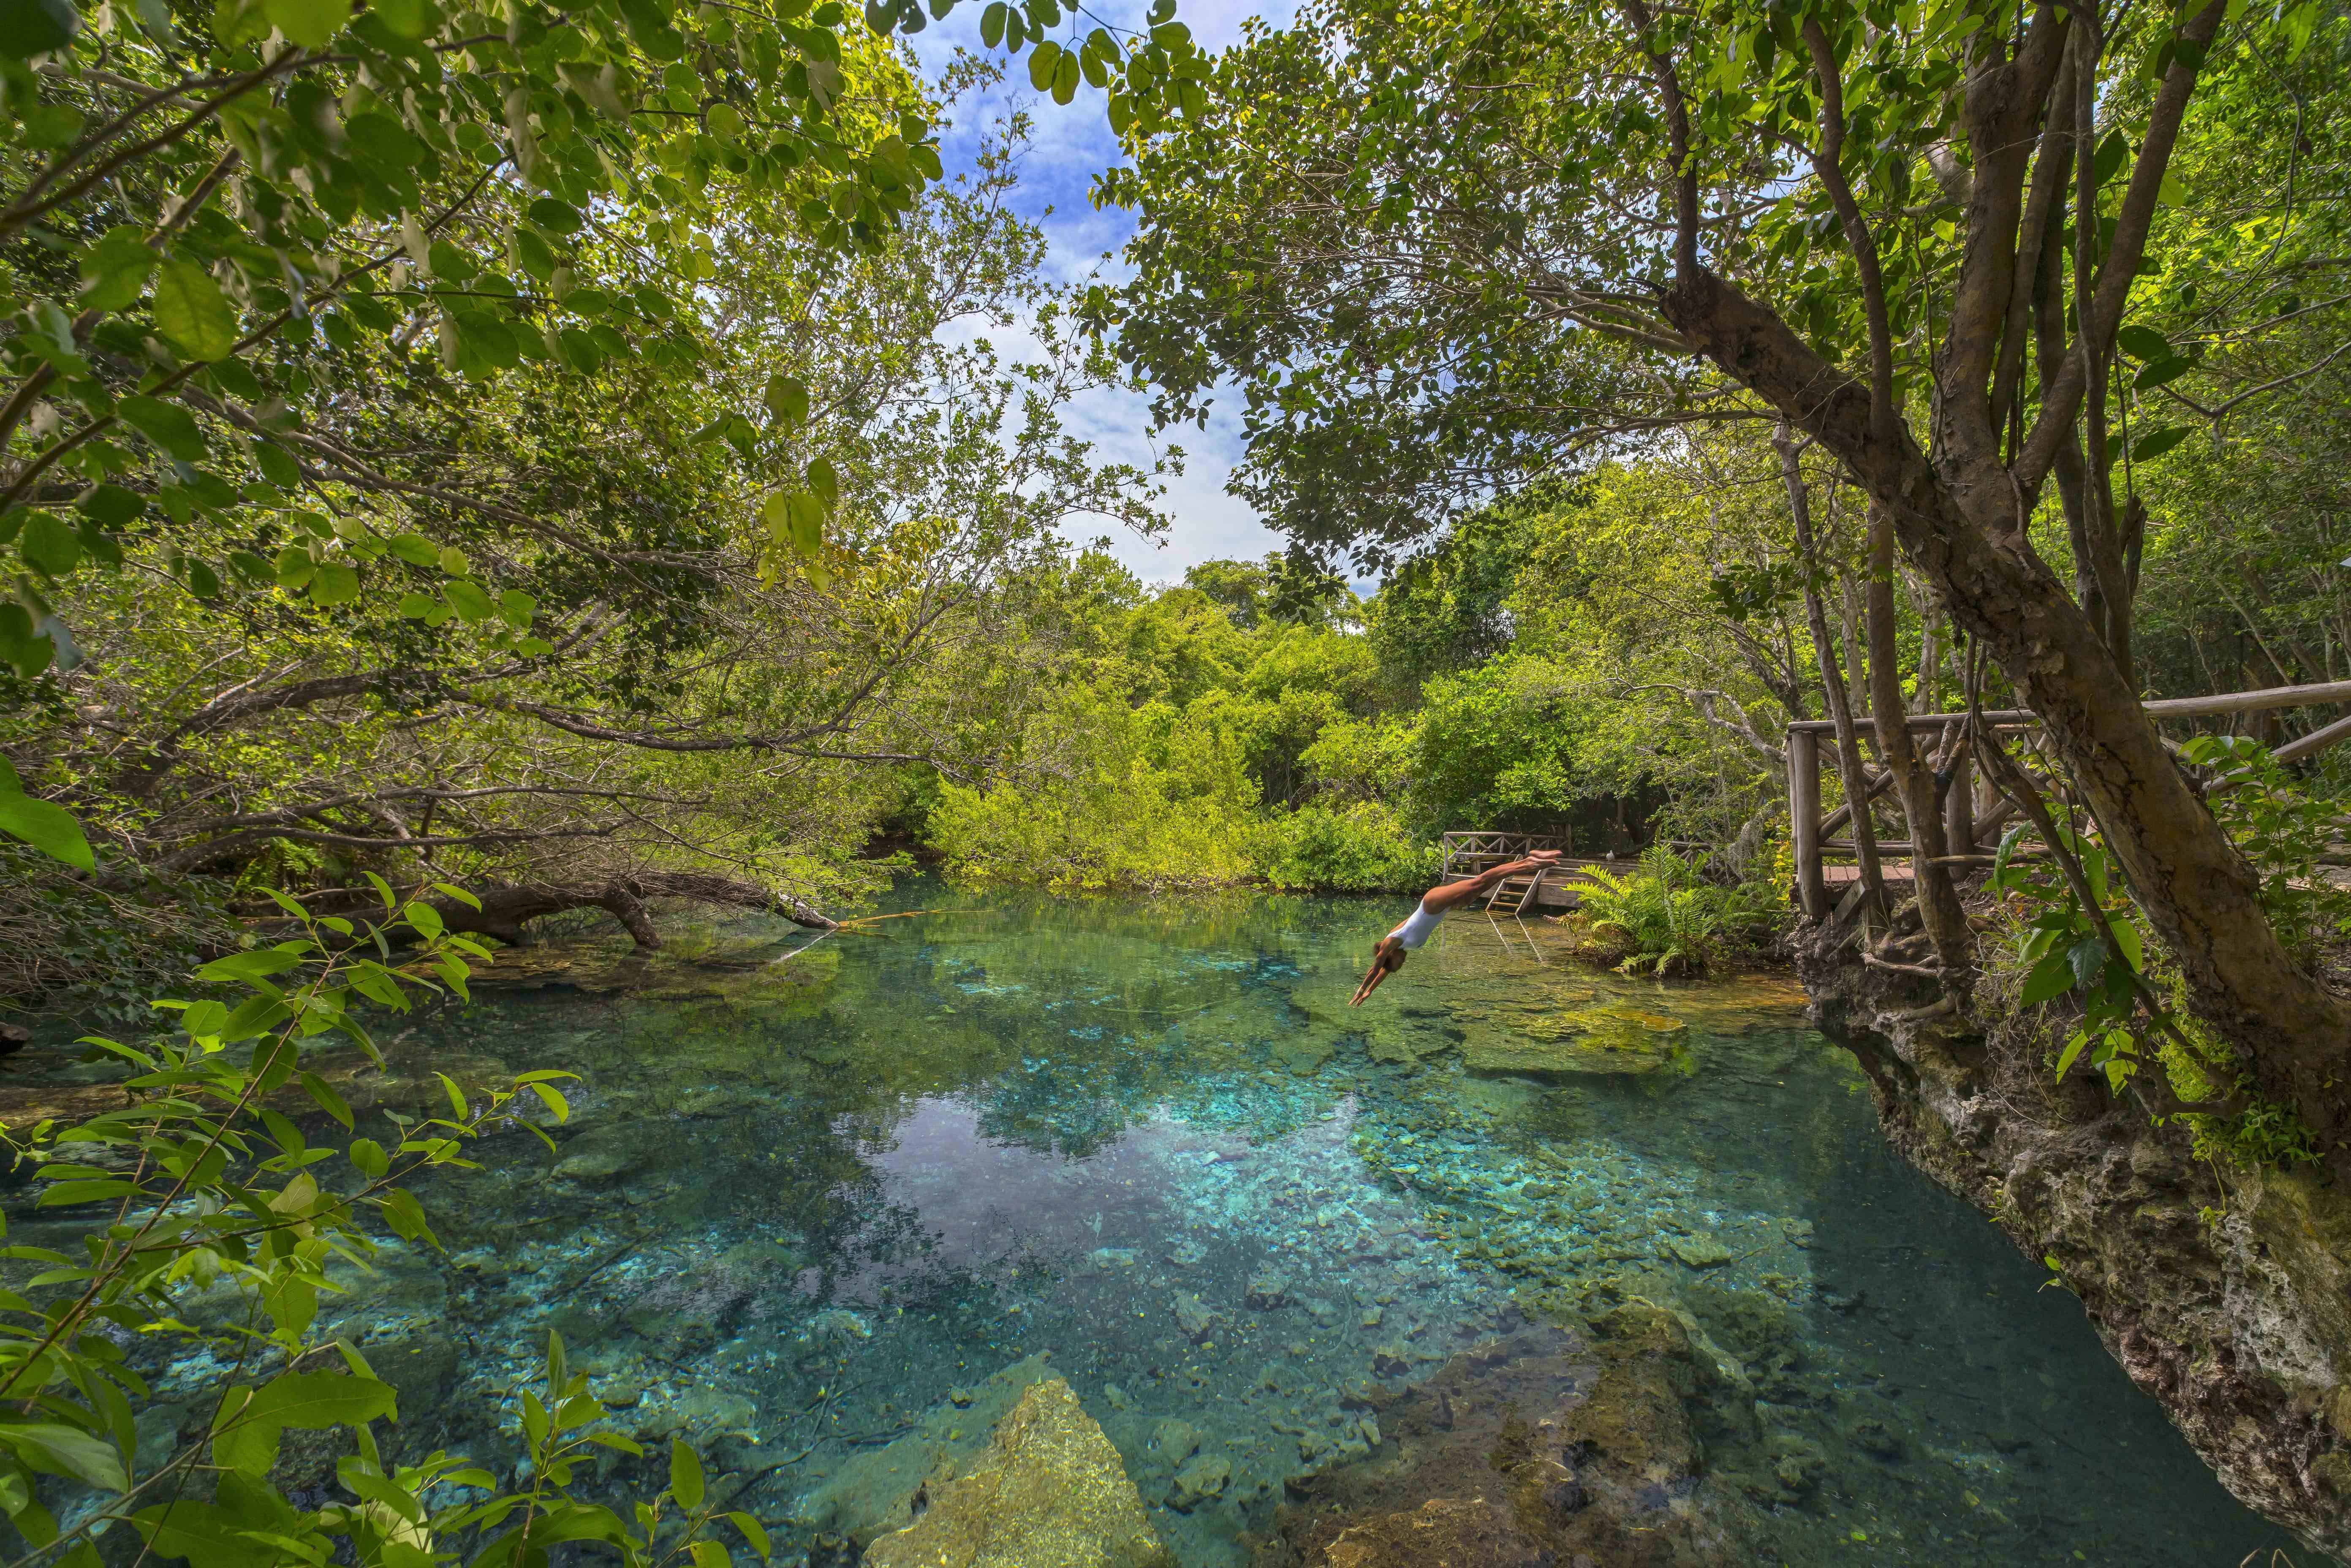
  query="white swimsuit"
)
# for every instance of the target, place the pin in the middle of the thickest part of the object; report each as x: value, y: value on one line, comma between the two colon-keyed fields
x: 1418, y: 928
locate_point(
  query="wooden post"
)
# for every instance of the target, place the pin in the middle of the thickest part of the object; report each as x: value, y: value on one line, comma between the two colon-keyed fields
x: 1959, y: 807
x: 1804, y: 821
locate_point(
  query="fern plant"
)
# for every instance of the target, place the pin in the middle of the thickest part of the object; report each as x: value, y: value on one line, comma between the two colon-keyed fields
x: 1666, y: 918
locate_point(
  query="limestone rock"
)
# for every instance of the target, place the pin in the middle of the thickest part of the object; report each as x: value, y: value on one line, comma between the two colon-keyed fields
x: 1049, y: 1493
x: 1200, y: 1480
x: 1442, y: 1529
x: 1604, y: 1040
x: 1698, y: 1251
x: 601, y: 1157
x: 1521, y: 1452
x: 875, y: 1493
x: 1194, y: 1317
x: 1175, y: 1441
x: 1267, y: 1292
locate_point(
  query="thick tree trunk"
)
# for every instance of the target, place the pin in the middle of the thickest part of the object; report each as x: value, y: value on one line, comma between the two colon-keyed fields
x: 1964, y: 531
x: 1939, y: 899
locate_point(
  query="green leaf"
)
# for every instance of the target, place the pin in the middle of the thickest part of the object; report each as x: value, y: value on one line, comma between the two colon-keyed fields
x: 244, y: 969
x: 308, y: 23
x: 557, y: 217
x: 415, y: 550
x: 1065, y: 77
x: 2126, y: 937
x: 61, y: 1450
x: 2074, y: 1045
x: 369, y: 1158
x: 246, y: 1440
x: 825, y: 482
x: 50, y: 544
x: 193, y: 312
x: 277, y: 466
x: 2087, y: 959
x: 114, y: 270
x: 167, y: 425
x: 409, y: 18
x: 711, y: 1554
x: 686, y: 1483
x: 2155, y: 442
x: 2161, y: 371
x: 2145, y: 343
x: 112, y: 506
x: 50, y: 828
x: 788, y: 400
x: 467, y: 599
x: 36, y: 26
x: 752, y: 1532
x: 1042, y: 62
x: 334, y: 583
x: 205, y: 1534
x: 2052, y: 977
x: 991, y: 34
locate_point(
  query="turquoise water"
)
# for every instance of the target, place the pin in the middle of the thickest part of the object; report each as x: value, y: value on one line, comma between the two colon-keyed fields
x: 811, y: 1201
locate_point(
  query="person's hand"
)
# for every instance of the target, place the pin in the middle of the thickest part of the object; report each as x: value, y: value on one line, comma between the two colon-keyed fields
x: 1543, y: 857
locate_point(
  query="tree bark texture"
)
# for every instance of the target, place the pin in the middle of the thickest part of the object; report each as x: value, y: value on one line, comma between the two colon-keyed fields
x: 1939, y: 898
x: 1960, y: 527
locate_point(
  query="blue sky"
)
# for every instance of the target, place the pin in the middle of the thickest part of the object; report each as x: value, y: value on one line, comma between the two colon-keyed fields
x: 1070, y: 147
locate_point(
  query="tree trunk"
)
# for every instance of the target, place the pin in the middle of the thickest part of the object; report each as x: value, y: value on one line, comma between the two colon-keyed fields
x: 1961, y: 529
x: 1938, y: 900
x: 1833, y: 690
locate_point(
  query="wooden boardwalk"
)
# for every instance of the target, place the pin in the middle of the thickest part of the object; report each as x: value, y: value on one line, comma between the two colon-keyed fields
x: 1828, y: 884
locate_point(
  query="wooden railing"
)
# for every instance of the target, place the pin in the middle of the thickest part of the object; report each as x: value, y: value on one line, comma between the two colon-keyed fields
x: 1469, y: 853
x: 1973, y: 817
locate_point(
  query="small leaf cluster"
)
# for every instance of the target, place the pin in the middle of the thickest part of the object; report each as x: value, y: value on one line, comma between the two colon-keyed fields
x: 206, y: 1183
x: 2096, y: 954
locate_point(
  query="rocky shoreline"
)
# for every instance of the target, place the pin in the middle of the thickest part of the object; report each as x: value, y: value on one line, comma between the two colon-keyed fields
x: 2224, y: 1292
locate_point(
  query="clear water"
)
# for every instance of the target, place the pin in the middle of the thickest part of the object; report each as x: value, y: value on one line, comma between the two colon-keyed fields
x: 807, y: 1202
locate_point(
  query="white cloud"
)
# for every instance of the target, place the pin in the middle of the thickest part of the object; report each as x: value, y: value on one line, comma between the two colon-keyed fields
x: 1067, y: 147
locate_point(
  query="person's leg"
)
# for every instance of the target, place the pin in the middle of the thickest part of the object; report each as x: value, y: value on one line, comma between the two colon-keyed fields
x: 1438, y: 900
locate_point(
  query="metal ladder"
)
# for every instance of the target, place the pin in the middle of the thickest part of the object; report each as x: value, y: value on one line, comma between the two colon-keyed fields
x: 1513, y: 893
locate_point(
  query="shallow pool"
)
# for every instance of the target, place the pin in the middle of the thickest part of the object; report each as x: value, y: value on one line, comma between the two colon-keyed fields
x: 813, y: 1201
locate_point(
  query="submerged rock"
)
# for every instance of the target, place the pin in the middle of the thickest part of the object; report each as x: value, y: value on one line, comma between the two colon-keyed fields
x: 1194, y: 1317
x: 1267, y: 1292
x: 1698, y: 1251
x: 878, y: 1491
x: 602, y: 1156
x: 1049, y: 1493
x: 1542, y: 1448
x: 1608, y: 1040
x: 1441, y: 1531
x: 1200, y: 1480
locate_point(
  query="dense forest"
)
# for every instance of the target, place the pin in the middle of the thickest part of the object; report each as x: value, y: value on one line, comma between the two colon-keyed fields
x: 468, y: 467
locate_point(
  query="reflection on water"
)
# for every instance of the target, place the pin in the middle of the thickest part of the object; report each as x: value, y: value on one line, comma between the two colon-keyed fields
x: 808, y: 1209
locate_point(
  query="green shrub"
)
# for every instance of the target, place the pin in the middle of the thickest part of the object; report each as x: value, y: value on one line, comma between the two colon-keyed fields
x: 202, y: 1194
x: 1361, y: 848
x: 1668, y: 919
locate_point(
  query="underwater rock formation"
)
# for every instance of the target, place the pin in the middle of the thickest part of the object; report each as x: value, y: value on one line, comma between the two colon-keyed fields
x: 1049, y: 1493
x: 2224, y: 1291
x: 881, y: 1490
x: 1571, y: 1044
x: 1543, y: 1447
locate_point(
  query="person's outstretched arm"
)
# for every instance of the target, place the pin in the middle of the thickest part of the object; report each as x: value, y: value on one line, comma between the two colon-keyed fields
x: 1438, y: 900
